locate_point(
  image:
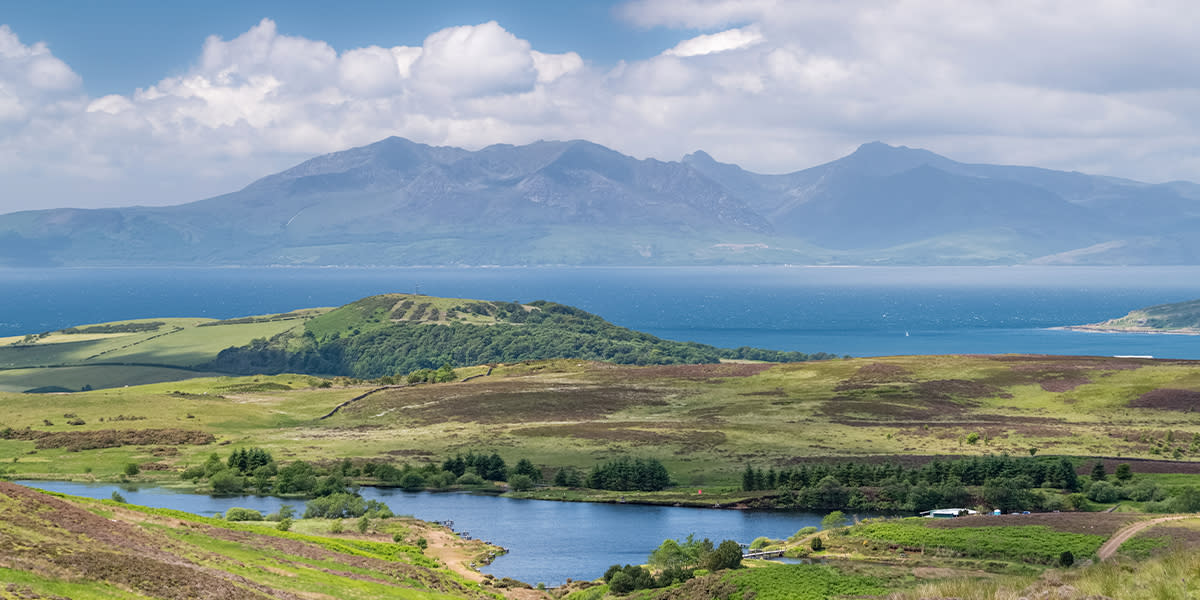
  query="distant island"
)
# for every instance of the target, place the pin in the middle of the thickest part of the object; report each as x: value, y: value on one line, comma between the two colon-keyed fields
x: 401, y: 203
x: 382, y: 336
x: 1178, y: 318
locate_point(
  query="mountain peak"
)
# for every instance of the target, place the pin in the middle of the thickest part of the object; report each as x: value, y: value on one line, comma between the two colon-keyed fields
x: 880, y: 159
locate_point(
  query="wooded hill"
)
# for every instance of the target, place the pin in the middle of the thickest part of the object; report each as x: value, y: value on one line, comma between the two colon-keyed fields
x: 398, y: 333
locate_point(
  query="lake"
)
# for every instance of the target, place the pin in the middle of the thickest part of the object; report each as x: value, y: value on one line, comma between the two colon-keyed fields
x: 547, y: 541
x: 861, y: 311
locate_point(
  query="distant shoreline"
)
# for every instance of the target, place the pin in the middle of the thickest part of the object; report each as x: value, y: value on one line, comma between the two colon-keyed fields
x: 1102, y: 329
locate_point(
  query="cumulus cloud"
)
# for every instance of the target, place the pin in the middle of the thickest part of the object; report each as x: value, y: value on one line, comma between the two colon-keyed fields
x: 773, y: 85
x: 475, y: 60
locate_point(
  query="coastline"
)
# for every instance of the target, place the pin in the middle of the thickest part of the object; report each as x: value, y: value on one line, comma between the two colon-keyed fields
x: 1103, y: 329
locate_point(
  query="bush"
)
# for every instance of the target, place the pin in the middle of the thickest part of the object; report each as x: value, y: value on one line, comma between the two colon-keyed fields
x: 335, y: 506
x: 336, y: 526
x: 284, y: 524
x: 117, y: 497
x: 834, y: 520
x: 412, y: 480
x: 363, y: 524
x: 227, y: 482
x: 817, y: 544
x: 469, y: 478
x: 1066, y: 559
x: 192, y: 473
x: 132, y: 469
x: 1103, y: 492
x: 520, y: 483
x: 243, y: 514
x: 803, y: 531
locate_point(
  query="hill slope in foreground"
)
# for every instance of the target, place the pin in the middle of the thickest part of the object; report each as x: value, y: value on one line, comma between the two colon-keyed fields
x: 54, y: 548
x: 1178, y: 317
x: 385, y: 335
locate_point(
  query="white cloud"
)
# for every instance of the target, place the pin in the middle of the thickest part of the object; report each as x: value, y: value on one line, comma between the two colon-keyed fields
x: 477, y: 60
x: 731, y: 39
x: 773, y: 85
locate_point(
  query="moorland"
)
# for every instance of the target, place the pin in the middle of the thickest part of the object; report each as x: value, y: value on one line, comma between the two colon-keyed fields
x: 1062, y: 437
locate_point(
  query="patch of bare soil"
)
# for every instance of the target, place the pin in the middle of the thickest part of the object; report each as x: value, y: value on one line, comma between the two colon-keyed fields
x: 701, y: 372
x: 507, y: 401
x: 109, y: 438
x: 1141, y: 465
x: 633, y: 432
x: 874, y: 374
x: 1168, y: 399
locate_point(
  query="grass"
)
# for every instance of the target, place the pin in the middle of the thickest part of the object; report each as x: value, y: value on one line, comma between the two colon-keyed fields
x: 101, y: 549
x: 704, y: 422
x: 1032, y: 543
x: 112, y: 360
x: 806, y: 582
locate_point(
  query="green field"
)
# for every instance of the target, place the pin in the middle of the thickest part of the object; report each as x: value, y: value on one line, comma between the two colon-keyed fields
x: 704, y: 422
x: 169, y: 352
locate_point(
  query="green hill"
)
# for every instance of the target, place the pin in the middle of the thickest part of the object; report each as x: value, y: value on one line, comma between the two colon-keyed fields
x: 1178, y: 317
x: 400, y: 333
x: 381, y: 335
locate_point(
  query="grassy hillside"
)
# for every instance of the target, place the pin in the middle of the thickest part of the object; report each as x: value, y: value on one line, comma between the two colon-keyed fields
x: 1180, y: 317
x: 130, y: 352
x: 84, y: 549
x: 706, y: 423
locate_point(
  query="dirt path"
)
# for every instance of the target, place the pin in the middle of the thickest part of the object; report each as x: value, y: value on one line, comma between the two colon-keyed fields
x: 1109, y: 548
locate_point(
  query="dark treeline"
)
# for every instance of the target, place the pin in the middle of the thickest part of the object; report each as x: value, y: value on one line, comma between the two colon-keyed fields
x: 629, y: 474
x: 117, y: 328
x: 550, y: 331
x: 1001, y: 482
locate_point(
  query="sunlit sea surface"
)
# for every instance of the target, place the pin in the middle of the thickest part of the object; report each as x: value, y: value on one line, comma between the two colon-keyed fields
x: 860, y: 311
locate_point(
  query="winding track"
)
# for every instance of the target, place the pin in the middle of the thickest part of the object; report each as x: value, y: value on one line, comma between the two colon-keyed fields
x: 1109, y: 548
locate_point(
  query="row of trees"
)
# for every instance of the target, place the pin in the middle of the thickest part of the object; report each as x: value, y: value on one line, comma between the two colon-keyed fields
x: 978, y: 470
x: 629, y: 474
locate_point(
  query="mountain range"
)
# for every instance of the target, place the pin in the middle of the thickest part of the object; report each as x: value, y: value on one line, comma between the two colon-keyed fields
x: 397, y: 202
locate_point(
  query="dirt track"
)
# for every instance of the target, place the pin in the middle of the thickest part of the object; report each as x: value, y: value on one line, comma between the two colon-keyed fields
x: 1109, y: 548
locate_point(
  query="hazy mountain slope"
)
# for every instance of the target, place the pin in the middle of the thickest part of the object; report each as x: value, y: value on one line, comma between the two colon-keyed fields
x: 397, y: 202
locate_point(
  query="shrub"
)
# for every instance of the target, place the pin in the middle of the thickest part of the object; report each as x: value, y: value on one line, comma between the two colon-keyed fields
x: 1066, y: 559
x: 363, y: 524
x: 336, y: 526
x: 469, y: 478
x: 520, y: 483
x: 243, y: 514
x: 1103, y: 492
x: 227, y: 482
x: 192, y: 473
x: 117, y: 497
x: 412, y: 480
x: 834, y: 520
x: 132, y: 469
x: 335, y: 506
x: 817, y: 544
x: 284, y: 524
x: 803, y: 531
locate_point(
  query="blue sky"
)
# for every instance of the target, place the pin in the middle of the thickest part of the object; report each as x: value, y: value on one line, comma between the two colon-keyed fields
x: 140, y: 102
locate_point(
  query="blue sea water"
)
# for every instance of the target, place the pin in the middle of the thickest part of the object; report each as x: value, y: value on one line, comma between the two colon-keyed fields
x: 860, y: 311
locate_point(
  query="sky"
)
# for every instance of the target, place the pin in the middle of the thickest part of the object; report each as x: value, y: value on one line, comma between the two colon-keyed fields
x: 149, y: 102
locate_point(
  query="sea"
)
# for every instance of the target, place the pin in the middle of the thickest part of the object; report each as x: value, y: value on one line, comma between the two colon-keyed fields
x: 856, y: 311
